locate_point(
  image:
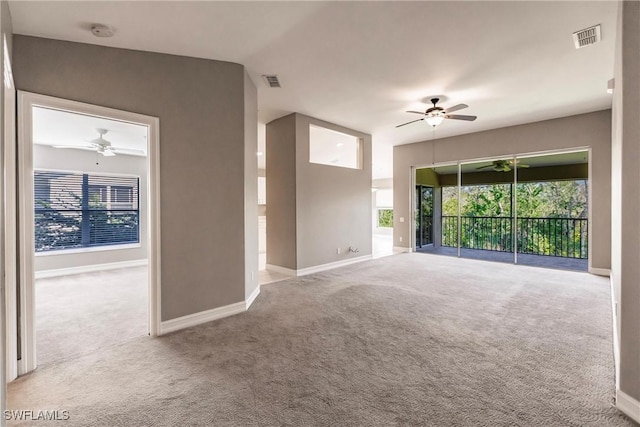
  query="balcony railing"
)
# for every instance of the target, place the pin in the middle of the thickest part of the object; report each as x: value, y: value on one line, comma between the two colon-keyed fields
x: 560, y: 237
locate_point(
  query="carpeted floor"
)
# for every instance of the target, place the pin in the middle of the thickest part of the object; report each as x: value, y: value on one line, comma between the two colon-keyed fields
x: 83, y: 313
x: 411, y: 339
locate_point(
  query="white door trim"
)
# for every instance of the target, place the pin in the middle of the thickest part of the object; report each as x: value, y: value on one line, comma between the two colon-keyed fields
x: 10, y: 218
x: 26, y: 101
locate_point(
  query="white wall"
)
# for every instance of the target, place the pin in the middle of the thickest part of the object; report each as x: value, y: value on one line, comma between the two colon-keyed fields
x: 45, y: 157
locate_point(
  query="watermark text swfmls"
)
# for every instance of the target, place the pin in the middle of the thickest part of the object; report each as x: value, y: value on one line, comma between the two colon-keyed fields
x: 36, y: 415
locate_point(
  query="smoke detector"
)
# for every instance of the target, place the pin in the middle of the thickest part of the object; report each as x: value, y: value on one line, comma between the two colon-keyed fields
x: 101, y: 30
x: 587, y: 37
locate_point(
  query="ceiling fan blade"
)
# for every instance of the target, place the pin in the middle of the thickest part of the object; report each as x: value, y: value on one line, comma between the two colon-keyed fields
x: 461, y: 117
x: 417, y: 112
x: 455, y: 108
x: 412, y: 121
x: 522, y: 166
x: 77, y: 147
x: 130, y: 151
x: 486, y: 166
x: 107, y: 153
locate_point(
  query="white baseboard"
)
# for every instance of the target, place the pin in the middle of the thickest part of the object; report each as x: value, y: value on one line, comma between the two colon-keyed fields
x: 600, y: 271
x: 201, y: 317
x: 252, y: 297
x: 317, y: 268
x: 628, y: 405
x: 281, y: 270
x: 401, y: 249
x: 331, y: 265
x: 208, y: 315
x: 89, y: 268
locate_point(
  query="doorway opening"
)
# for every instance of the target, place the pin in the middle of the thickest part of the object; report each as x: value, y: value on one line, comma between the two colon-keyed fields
x: 89, y: 231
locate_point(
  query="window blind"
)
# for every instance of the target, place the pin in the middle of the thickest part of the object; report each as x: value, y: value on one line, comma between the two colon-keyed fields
x: 76, y: 210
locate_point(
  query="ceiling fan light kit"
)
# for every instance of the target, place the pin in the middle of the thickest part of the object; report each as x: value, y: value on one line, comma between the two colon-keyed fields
x: 435, y: 115
x: 434, y: 120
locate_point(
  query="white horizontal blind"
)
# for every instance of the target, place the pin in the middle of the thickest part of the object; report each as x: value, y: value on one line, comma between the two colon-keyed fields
x: 76, y: 210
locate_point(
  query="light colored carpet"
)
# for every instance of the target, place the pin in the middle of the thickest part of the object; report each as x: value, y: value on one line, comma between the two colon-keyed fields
x: 410, y: 339
x: 83, y: 313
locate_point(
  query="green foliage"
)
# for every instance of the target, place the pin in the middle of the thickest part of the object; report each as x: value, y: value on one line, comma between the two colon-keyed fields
x: 385, y: 217
x: 487, y: 219
x: 55, y: 229
x: 449, y: 201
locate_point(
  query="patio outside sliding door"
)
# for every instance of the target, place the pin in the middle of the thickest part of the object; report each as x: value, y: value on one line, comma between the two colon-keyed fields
x: 552, y: 210
x: 487, y: 202
x: 436, y: 210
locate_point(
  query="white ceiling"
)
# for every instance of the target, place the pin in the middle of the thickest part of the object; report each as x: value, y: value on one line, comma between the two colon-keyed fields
x: 56, y: 128
x: 362, y: 64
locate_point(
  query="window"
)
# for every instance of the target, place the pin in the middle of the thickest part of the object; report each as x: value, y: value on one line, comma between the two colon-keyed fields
x: 79, y: 210
x: 328, y: 147
x: 385, y: 218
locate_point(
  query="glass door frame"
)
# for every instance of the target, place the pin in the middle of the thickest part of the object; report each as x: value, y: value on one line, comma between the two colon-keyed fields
x: 514, y: 214
x: 419, y: 216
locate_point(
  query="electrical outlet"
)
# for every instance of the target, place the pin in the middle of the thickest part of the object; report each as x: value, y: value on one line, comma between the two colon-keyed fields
x: 401, y: 220
x: 338, y: 251
x: 400, y: 238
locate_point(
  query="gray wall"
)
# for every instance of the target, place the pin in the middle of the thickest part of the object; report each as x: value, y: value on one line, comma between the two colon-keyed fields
x: 332, y: 204
x: 45, y: 157
x: 281, y: 192
x: 585, y: 130
x: 625, y: 269
x: 201, y: 107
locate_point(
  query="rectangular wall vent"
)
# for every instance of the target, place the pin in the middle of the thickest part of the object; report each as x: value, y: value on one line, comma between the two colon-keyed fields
x: 271, y: 80
x: 587, y: 36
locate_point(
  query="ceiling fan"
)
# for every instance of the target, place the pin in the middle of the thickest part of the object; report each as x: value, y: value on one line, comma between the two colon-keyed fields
x: 503, y: 165
x: 104, y: 147
x: 435, y: 115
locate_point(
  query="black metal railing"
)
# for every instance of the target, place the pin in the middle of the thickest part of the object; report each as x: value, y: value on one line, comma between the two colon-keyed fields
x: 560, y: 237
x: 424, y: 232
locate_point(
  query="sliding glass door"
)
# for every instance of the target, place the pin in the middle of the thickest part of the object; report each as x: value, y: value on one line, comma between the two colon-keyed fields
x: 552, y: 210
x: 530, y: 210
x: 486, y: 207
x: 424, y: 215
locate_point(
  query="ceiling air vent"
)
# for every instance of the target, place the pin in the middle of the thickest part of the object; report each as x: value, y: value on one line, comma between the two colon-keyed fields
x: 271, y: 80
x: 587, y: 36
